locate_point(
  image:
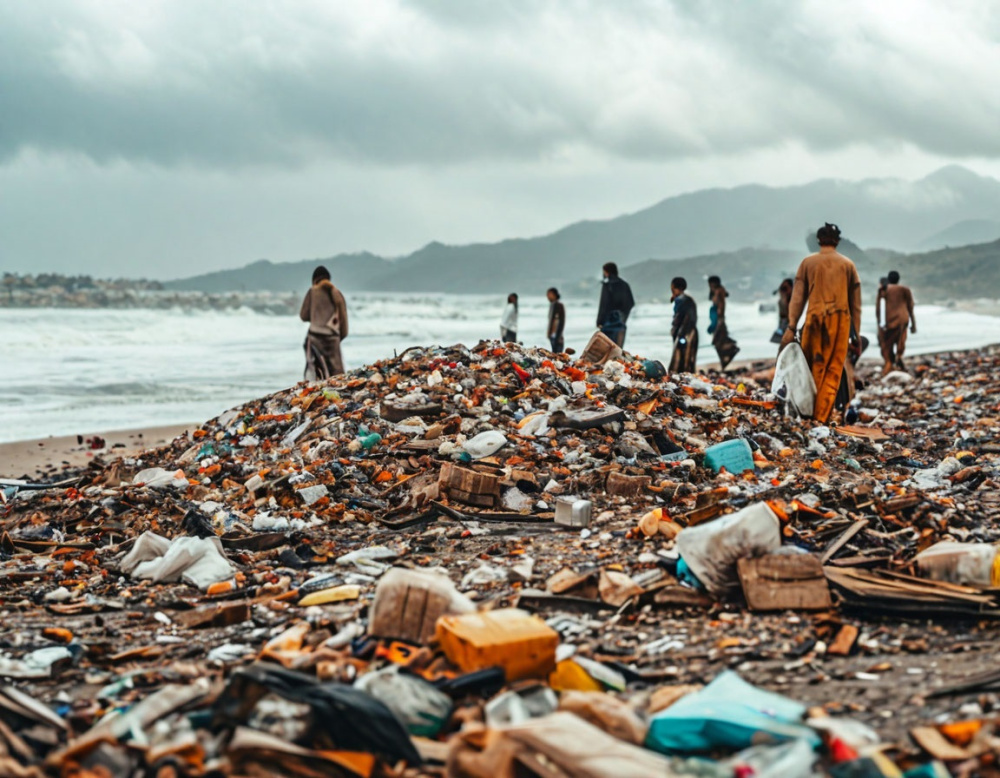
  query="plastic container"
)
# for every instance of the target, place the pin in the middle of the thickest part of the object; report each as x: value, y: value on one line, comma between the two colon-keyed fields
x: 408, y: 604
x: 735, y: 455
x: 522, y: 644
x: 573, y: 512
x: 962, y: 563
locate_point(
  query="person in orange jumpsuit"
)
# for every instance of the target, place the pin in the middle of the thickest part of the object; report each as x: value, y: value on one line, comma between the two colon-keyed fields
x: 898, y: 314
x: 828, y: 282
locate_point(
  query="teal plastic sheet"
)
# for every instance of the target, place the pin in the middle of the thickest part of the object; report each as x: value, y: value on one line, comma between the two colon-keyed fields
x: 728, y: 713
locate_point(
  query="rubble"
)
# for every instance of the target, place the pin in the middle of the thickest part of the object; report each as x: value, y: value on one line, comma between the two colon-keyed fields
x: 348, y: 578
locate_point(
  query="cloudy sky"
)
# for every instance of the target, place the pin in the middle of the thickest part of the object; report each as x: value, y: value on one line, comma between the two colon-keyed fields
x: 167, y: 137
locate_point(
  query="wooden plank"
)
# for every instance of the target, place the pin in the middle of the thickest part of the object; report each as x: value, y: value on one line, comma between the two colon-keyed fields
x: 874, y: 434
x: 841, y: 541
x: 935, y: 744
x: 784, y: 582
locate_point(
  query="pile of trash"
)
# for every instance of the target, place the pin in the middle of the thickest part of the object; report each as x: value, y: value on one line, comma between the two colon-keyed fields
x: 497, y: 561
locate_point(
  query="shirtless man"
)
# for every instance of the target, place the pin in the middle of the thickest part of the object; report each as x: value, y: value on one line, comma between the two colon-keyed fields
x: 898, y: 314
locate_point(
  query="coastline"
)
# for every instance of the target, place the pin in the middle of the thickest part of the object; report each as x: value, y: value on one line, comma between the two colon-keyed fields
x: 40, y: 457
x: 46, y: 457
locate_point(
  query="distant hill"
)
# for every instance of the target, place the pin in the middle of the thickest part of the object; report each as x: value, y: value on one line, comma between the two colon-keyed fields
x: 875, y: 212
x: 953, y: 273
x: 963, y: 233
x: 352, y: 272
x: 751, y: 272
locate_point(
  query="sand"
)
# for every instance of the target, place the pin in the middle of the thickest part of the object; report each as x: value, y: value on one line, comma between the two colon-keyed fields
x: 31, y: 459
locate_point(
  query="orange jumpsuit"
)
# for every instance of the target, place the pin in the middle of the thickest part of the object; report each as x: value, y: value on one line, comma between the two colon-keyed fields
x: 828, y: 282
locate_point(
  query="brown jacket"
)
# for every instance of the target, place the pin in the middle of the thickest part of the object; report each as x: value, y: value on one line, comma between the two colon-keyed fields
x: 828, y: 281
x: 325, y: 310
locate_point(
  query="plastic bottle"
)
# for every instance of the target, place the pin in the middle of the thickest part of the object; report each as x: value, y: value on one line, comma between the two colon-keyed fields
x: 977, y: 564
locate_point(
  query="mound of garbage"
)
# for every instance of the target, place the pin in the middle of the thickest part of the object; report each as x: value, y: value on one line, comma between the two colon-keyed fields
x: 496, y: 561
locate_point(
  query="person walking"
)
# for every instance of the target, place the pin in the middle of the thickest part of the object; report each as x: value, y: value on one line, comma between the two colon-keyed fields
x: 616, y: 304
x: 898, y: 314
x: 557, y: 320
x: 725, y: 346
x: 325, y: 309
x: 508, y: 322
x: 684, y: 328
x: 828, y: 283
x: 784, y: 292
x: 883, y: 282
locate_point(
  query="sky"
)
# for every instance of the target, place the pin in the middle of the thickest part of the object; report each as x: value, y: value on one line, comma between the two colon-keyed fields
x: 164, y: 138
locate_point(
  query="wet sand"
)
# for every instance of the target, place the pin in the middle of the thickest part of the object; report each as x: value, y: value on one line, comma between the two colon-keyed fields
x: 31, y: 459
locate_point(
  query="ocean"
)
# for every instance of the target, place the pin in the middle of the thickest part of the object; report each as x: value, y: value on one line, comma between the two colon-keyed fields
x: 73, y: 371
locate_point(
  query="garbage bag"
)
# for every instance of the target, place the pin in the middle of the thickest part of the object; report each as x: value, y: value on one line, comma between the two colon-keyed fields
x: 728, y: 713
x: 418, y: 704
x: 158, y: 478
x: 485, y: 444
x: 712, y: 550
x: 793, y: 381
x: 342, y: 717
x: 200, y: 562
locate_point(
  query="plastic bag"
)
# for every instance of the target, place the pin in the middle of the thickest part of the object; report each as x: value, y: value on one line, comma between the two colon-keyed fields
x: 712, y: 550
x: 341, y: 717
x: 728, y: 713
x: 793, y: 381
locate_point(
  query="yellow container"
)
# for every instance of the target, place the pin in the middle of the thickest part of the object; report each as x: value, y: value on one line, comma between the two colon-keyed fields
x: 522, y: 644
x: 569, y: 676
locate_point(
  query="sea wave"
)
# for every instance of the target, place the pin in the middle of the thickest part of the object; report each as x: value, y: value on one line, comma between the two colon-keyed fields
x: 66, y: 371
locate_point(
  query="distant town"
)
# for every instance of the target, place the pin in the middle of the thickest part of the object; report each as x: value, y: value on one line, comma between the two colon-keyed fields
x: 53, y: 290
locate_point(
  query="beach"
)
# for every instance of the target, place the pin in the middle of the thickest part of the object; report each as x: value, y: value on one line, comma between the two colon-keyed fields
x: 298, y: 503
x: 47, y: 457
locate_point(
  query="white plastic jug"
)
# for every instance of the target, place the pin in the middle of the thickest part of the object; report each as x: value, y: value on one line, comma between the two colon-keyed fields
x: 977, y: 564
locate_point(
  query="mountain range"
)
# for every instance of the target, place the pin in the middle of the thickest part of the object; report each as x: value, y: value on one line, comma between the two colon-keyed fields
x: 750, y: 232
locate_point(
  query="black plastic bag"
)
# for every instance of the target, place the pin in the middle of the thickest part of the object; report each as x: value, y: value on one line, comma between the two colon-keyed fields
x: 342, y: 718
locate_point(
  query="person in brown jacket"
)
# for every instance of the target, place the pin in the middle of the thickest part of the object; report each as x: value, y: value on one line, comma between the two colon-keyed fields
x: 898, y: 314
x: 326, y: 311
x: 829, y: 283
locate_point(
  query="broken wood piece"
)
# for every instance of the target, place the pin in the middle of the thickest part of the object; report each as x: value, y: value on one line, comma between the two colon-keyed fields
x: 935, y: 744
x: 843, y: 539
x: 843, y: 643
x: 469, y: 486
x: 400, y: 411
x: 901, y: 503
x: 874, y: 434
x: 621, y: 485
x: 224, y: 614
x: 784, y: 582
x: 617, y: 588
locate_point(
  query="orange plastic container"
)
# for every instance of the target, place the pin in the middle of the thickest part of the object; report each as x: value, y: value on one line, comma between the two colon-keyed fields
x: 522, y: 644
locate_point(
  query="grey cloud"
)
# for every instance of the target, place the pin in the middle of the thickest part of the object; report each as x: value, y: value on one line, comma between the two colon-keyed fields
x: 230, y: 85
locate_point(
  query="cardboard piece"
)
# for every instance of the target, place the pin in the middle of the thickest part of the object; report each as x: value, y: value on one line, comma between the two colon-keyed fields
x: 784, y: 582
